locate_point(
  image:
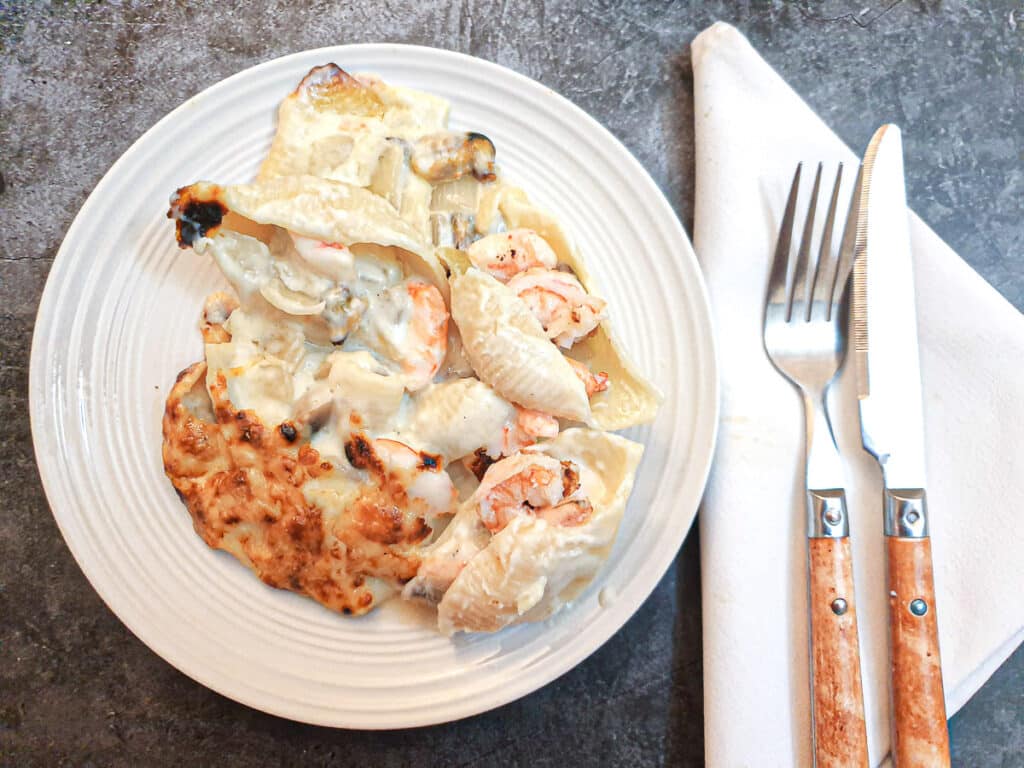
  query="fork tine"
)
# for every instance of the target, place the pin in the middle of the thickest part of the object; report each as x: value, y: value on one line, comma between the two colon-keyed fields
x: 824, y: 272
x: 799, y: 305
x: 845, y: 263
x: 780, y: 264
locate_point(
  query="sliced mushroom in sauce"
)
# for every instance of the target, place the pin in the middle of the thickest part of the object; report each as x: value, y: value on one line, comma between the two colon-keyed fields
x: 448, y: 156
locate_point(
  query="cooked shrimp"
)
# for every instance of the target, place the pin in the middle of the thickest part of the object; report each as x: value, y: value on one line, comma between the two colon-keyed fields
x: 529, y: 426
x: 525, y: 430
x: 505, y: 254
x: 427, y: 339
x: 419, y: 473
x: 568, y: 513
x: 594, y: 382
x: 406, y: 493
x: 563, y: 306
x: 408, y: 325
x: 331, y: 260
x: 428, y: 335
x: 530, y: 483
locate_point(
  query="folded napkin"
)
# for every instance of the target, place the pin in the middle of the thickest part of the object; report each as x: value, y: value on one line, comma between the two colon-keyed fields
x: 751, y: 130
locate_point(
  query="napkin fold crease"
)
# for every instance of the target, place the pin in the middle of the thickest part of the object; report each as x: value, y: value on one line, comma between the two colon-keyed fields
x: 751, y: 130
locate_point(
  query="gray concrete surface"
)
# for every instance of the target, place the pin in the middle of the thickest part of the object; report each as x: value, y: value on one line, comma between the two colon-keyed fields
x: 79, y: 82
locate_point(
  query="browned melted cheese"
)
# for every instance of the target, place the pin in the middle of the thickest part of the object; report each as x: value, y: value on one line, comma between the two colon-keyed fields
x: 197, y: 212
x: 331, y: 88
x: 478, y: 463
x: 242, y: 484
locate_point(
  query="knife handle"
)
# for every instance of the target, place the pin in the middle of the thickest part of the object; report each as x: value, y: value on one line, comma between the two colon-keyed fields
x: 920, y: 733
x: 840, y: 735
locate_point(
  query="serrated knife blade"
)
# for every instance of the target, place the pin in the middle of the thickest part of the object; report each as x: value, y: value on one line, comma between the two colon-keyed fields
x: 884, y: 320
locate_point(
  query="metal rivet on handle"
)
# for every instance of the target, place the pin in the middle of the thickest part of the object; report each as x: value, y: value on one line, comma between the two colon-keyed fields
x: 912, y: 517
x: 839, y: 606
x: 833, y: 515
x: 918, y: 607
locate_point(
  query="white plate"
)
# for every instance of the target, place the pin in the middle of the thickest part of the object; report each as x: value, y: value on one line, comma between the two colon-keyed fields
x: 118, y: 320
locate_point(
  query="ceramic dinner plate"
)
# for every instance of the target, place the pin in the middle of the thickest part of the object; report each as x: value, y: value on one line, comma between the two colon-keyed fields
x: 118, y: 320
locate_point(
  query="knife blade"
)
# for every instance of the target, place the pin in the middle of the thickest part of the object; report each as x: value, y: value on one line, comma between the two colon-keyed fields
x: 885, y: 319
x: 885, y: 353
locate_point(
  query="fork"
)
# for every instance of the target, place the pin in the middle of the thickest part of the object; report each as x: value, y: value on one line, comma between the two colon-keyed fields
x: 805, y: 339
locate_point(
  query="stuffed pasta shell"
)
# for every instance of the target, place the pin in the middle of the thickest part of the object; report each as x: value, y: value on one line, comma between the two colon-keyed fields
x: 535, y: 533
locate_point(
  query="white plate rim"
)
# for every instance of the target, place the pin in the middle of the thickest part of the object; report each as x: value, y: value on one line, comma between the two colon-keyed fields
x: 704, y: 434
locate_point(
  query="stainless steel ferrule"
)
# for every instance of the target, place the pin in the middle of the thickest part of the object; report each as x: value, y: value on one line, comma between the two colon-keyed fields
x: 826, y: 514
x: 906, y: 513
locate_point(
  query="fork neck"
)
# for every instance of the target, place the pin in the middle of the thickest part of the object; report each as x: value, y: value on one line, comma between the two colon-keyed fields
x: 826, y: 499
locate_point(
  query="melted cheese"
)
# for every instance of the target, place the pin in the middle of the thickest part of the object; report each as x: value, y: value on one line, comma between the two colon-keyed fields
x: 385, y: 327
x: 455, y: 418
x: 347, y: 539
x: 315, y: 453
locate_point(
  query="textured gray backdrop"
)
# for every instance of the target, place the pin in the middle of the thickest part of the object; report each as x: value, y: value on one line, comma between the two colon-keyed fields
x: 79, y: 82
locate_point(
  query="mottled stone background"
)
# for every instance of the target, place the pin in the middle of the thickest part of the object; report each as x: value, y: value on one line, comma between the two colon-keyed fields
x: 80, y: 81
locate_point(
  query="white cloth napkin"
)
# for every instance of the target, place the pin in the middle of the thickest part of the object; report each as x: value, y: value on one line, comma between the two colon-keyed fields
x: 751, y: 130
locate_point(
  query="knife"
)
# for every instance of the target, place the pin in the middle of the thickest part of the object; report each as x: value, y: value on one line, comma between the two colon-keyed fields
x: 892, y: 430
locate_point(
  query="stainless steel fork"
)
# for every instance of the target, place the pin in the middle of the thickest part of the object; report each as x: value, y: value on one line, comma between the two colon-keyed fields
x: 805, y: 338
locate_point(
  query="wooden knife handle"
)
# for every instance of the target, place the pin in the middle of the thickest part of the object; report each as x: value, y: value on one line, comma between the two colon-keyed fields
x: 840, y: 735
x: 920, y: 733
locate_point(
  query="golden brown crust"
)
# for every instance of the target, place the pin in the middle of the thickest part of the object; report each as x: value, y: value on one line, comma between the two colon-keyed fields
x: 197, y: 211
x: 331, y: 88
x: 570, y: 478
x: 478, y: 463
x: 242, y: 483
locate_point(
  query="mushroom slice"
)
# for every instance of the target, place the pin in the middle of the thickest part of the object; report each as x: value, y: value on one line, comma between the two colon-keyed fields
x: 453, y: 230
x: 458, y: 196
x: 392, y: 170
x: 289, y: 301
x: 447, y: 156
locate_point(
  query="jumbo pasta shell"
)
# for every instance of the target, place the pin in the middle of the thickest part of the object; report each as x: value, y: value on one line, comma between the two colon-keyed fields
x: 631, y: 399
x: 509, y: 350
x: 313, y: 207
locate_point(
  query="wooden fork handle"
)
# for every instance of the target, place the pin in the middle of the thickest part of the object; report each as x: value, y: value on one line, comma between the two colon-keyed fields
x: 840, y: 735
x: 920, y: 733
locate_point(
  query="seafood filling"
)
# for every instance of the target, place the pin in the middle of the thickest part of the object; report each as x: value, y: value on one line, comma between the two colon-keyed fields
x: 531, y: 484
